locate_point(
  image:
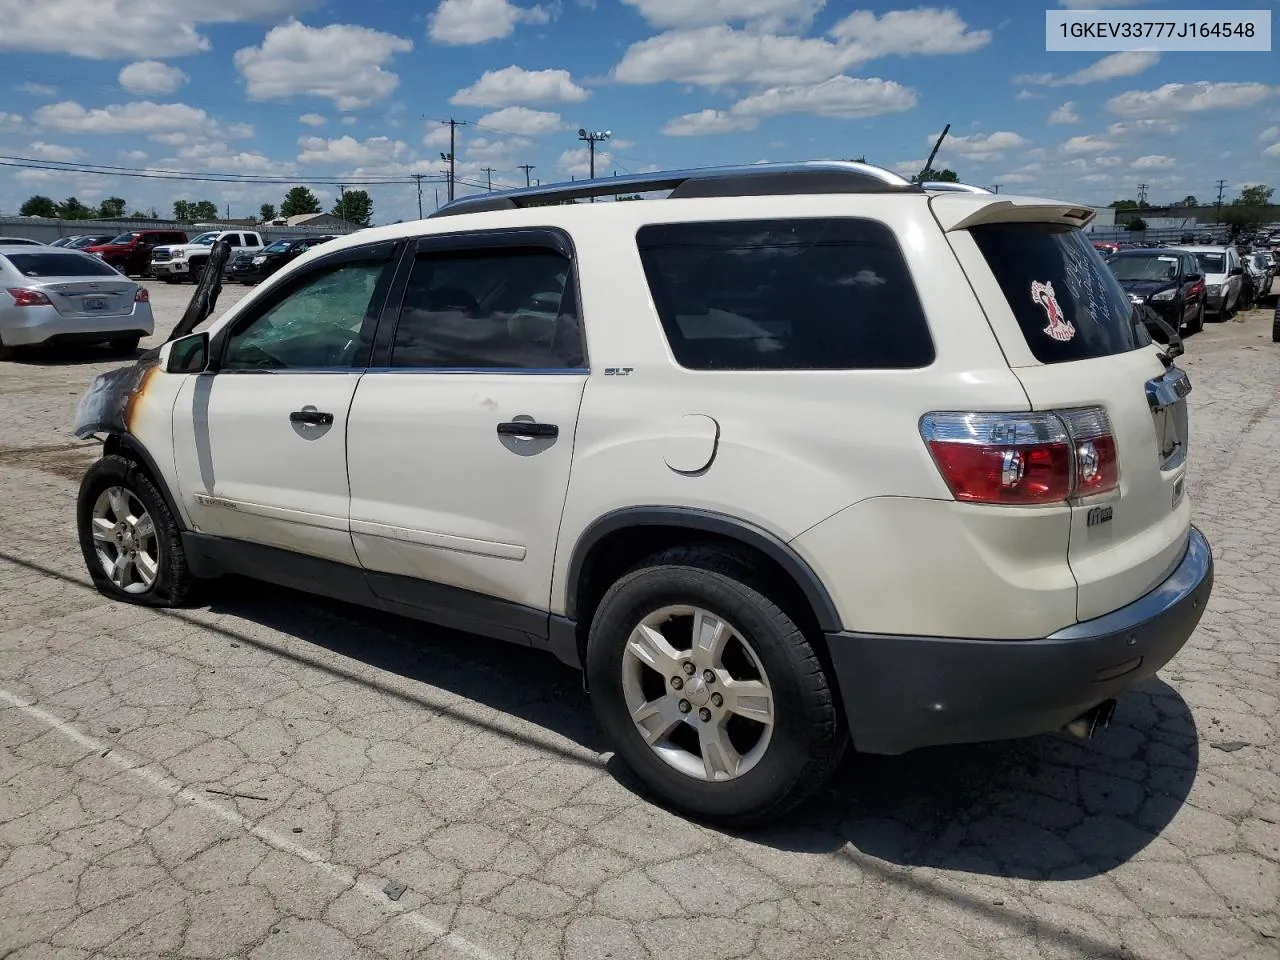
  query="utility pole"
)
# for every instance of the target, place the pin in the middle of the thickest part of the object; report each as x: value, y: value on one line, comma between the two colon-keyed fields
x: 995, y: 188
x: 488, y: 171
x: 418, y: 177
x: 1222, y: 185
x: 342, y: 200
x: 228, y: 211
x: 453, y: 150
x: 528, y: 169
x: 1142, y: 194
x: 591, y: 139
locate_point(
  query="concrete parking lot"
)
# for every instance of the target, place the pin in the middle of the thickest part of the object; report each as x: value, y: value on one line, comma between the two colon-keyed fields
x: 273, y: 775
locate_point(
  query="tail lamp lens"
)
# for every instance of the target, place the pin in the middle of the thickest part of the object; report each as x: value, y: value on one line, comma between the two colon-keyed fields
x: 28, y: 298
x: 142, y: 296
x: 1023, y: 459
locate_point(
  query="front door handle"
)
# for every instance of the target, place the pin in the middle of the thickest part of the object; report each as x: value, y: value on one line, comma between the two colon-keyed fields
x: 528, y: 430
x: 311, y: 416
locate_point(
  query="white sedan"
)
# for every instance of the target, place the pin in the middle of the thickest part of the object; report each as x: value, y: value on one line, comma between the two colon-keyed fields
x: 50, y: 295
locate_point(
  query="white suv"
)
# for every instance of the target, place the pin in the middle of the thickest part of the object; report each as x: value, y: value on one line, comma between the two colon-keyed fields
x: 795, y: 457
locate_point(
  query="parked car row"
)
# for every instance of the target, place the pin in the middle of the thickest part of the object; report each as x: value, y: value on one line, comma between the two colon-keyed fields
x: 250, y: 267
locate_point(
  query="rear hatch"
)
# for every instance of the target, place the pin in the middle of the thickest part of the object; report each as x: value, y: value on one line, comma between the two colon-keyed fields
x: 76, y: 284
x: 1071, y: 337
x: 90, y: 298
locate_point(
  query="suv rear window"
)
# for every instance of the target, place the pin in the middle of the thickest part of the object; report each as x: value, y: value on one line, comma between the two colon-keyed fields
x: 1066, y: 300
x: 821, y: 294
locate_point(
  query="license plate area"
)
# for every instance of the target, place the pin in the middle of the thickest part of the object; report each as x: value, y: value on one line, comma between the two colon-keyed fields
x: 94, y: 303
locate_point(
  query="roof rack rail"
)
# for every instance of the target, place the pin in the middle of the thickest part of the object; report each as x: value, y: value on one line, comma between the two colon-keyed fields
x: 755, y: 180
x: 946, y: 186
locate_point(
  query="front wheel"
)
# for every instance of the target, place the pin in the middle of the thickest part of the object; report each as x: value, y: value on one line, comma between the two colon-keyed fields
x: 709, y: 691
x: 1197, y: 325
x: 130, y: 540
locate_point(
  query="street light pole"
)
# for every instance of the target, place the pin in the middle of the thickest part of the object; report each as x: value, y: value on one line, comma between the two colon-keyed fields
x: 591, y: 138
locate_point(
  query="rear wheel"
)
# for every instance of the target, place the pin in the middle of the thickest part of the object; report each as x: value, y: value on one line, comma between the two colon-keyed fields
x: 1275, y: 326
x: 196, y: 270
x: 709, y: 691
x: 130, y: 540
x: 6, y: 352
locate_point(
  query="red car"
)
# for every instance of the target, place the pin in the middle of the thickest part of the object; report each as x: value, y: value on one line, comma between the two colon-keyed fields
x: 1106, y: 248
x: 130, y: 253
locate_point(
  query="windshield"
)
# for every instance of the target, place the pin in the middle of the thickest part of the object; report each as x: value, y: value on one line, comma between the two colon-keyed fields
x: 53, y: 264
x: 1212, y: 262
x: 280, y: 246
x: 124, y: 238
x: 206, y: 239
x: 1144, y: 268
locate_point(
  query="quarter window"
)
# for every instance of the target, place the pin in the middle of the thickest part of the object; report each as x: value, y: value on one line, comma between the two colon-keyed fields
x: 507, y: 309
x: 821, y: 294
x: 321, y: 323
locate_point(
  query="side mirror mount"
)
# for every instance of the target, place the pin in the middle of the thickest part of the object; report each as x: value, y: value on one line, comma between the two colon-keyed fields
x: 189, y: 354
x: 1237, y: 271
x: 1193, y: 277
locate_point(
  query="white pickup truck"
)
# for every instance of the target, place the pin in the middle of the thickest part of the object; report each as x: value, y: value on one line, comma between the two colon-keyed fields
x: 178, y: 262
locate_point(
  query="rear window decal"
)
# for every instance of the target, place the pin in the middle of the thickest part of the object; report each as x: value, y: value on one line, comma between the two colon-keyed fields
x: 1059, y: 327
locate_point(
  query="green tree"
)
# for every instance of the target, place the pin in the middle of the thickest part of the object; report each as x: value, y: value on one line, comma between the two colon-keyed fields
x: 204, y: 210
x: 936, y: 176
x: 355, y: 206
x: 1189, y: 201
x: 72, y: 209
x: 39, y: 206
x: 297, y: 201
x: 267, y: 211
x: 1136, y: 224
x: 112, y: 207
x: 1123, y: 204
x: 182, y: 210
x: 1249, y: 210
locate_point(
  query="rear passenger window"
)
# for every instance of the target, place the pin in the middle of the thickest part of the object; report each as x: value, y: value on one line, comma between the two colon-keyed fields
x: 1068, y: 303
x: 823, y: 294
x: 509, y: 309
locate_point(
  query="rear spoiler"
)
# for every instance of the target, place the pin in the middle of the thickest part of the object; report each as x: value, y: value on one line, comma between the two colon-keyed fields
x: 957, y: 211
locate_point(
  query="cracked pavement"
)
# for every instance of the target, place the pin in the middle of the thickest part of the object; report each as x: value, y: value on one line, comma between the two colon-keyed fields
x: 246, y: 778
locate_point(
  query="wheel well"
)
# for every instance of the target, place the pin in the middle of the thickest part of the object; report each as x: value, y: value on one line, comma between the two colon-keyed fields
x: 615, y: 553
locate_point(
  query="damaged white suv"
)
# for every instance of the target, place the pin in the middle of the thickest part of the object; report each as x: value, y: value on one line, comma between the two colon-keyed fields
x: 795, y: 457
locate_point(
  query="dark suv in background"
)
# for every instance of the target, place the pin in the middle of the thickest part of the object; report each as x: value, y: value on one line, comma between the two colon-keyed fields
x: 251, y: 268
x: 130, y: 253
x: 1167, y: 282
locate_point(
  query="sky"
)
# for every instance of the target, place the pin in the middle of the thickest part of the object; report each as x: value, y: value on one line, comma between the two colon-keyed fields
x: 329, y: 89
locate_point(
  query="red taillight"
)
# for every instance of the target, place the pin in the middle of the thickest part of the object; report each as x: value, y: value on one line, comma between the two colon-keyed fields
x: 1023, y: 459
x: 142, y: 296
x: 28, y: 298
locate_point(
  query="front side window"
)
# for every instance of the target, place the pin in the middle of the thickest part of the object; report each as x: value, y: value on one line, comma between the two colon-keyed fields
x: 320, y: 323
x: 1066, y: 300
x: 822, y: 294
x: 124, y: 238
x: 205, y: 239
x: 1212, y: 262
x: 502, y: 309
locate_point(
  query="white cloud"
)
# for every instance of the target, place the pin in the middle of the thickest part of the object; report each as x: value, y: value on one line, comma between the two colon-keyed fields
x: 312, y: 120
x: 512, y: 85
x: 436, y: 137
x: 501, y: 152
x: 139, y: 116
x: 1153, y: 161
x: 36, y: 89
x: 1149, y: 127
x: 342, y: 62
x: 1108, y: 161
x: 1078, y: 145
x: 10, y: 121
x: 719, y: 55
x: 350, y: 121
x: 1271, y: 133
x: 151, y: 77
x: 700, y: 13
x: 1099, y: 4
x: 108, y: 29
x: 52, y: 151
x: 1272, y: 151
x: 521, y: 122
x: 980, y: 147
x: 1126, y: 63
x: 707, y: 122
x: 1015, y: 178
x: 1065, y: 114
x: 840, y: 97
x: 136, y: 156
x: 463, y: 22
x: 1026, y: 95
x: 349, y: 152
x: 577, y: 163
x: 1188, y: 98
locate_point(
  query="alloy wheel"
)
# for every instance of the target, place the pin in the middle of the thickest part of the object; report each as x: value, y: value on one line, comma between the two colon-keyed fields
x: 124, y: 539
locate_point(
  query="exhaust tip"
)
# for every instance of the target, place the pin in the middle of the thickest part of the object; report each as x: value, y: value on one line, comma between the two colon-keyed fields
x: 1099, y: 717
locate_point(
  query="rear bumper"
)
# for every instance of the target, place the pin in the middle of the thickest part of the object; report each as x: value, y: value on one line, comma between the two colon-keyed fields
x: 36, y: 325
x: 903, y: 692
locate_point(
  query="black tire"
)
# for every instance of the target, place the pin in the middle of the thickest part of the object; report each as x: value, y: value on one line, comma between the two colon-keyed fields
x: 125, y: 344
x: 1197, y: 325
x: 1275, y: 326
x: 7, y: 352
x: 195, y: 270
x: 808, y: 737
x: 173, y: 582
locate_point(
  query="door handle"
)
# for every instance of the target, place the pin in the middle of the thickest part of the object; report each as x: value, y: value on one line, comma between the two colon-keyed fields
x: 311, y: 417
x: 527, y: 430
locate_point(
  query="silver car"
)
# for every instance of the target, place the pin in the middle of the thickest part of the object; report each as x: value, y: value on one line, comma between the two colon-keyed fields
x: 49, y: 295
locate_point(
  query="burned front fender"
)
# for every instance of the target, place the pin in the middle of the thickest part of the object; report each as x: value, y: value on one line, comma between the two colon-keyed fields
x: 110, y: 403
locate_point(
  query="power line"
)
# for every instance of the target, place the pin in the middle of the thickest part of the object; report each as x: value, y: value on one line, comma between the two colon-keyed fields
x: 489, y: 172
x: 160, y: 173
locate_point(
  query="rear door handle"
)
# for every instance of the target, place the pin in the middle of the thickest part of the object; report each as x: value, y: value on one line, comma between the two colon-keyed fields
x: 527, y: 430
x: 311, y: 416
